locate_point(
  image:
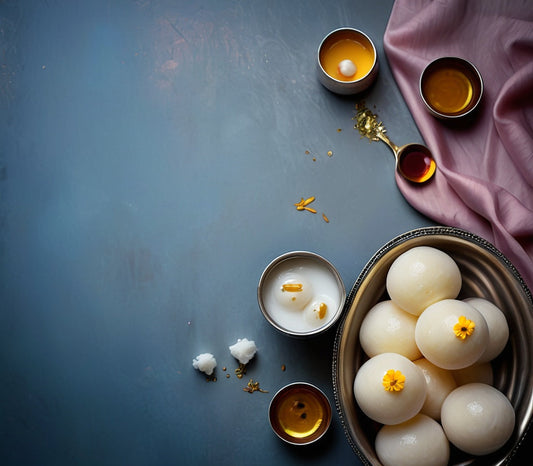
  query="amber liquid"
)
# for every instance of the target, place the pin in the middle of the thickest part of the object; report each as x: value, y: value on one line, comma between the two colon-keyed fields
x: 448, y: 90
x: 300, y: 414
x: 417, y: 166
x: 347, y: 49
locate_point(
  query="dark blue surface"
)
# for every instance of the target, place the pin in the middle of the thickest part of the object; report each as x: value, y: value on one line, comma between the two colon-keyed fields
x: 151, y: 153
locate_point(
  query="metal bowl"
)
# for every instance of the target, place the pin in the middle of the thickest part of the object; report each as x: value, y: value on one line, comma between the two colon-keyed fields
x: 300, y: 413
x: 486, y: 273
x: 340, y: 86
x: 459, y: 74
x: 301, y: 261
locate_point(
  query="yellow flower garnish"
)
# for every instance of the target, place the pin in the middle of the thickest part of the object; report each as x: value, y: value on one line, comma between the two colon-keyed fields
x: 393, y: 381
x: 464, y: 328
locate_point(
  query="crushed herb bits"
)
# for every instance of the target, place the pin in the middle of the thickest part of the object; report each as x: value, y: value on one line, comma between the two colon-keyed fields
x: 253, y: 387
x: 240, y: 371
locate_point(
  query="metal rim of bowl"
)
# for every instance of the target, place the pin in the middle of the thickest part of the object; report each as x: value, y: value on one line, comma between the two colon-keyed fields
x: 466, y: 64
x: 526, y: 404
x: 308, y: 255
x: 325, y: 401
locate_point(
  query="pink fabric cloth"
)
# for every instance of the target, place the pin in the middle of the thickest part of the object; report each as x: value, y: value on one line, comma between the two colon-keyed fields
x: 484, y: 181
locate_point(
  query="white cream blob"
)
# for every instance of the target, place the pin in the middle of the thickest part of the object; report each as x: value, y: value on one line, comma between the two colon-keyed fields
x: 347, y: 68
x: 422, y: 276
x: 389, y: 407
x: 205, y: 362
x: 498, y: 327
x: 244, y: 350
x: 418, y: 441
x: 388, y: 329
x: 477, y: 418
x: 436, y: 338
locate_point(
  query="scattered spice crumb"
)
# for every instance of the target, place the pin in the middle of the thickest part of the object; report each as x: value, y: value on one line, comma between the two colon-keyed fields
x: 330, y: 153
x: 283, y: 368
x: 307, y: 152
x: 325, y: 218
x: 303, y: 204
x: 253, y: 387
x: 240, y: 371
x: 339, y: 130
x: 227, y: 376
x: 224, y: 368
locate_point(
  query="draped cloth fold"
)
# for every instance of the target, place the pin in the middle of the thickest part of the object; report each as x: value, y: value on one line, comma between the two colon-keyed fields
x: 484, y: 180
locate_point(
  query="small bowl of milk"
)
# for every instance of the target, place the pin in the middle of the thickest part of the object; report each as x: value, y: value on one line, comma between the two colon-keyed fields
x: 301, y: 294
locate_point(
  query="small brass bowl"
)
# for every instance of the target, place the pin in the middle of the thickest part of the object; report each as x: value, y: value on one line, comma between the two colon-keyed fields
x: 300, y: 413
x: 486, y: 273
x: 347, y: 44
x: 451, y: 88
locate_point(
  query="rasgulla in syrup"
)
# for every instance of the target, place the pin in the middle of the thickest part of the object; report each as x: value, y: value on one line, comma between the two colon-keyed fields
x: 389, y: 388
x: 422, y: 276
x: 420, y: 441
x: 388, y: 329
x: 451, y: 334
x: 477, y: 418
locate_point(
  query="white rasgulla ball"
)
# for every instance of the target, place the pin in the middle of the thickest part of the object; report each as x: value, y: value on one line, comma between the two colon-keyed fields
x: 388, y: 329
x: 347, y: 68
x: 477, y: 418
x: 293, y: 291
x: 244, y: 350
x: 436, y: 338
x: 479, y: 372
x: 422, y: 276
x: 498, y: 327
x: 381, y: 405
x: 420, y: 441
x: 440, y: 383
x: 319, y: 311
x: 205, y: 362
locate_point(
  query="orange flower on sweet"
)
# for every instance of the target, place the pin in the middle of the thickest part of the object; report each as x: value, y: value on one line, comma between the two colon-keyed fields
x: 393, y: 381
x: 464, y: 328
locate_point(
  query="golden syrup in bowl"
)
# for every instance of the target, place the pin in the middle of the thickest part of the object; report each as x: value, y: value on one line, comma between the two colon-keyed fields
x: 451, y: 87
x: 300, y: 413
x: 415, y: 162
x: 357, y: 50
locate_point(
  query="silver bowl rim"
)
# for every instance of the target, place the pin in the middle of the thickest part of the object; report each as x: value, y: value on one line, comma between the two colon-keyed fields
x: 415, y: 233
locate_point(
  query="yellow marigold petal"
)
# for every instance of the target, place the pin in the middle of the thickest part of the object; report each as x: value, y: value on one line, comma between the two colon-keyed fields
x: 393, y: 381
x: 464, y: 328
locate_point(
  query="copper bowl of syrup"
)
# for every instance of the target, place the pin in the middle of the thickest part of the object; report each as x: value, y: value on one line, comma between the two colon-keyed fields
x: 300, y: 413
x: 451, y: 87
x: 347, y: 61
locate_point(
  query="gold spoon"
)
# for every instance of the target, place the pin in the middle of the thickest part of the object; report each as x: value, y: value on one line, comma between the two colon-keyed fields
x: 414, y: 162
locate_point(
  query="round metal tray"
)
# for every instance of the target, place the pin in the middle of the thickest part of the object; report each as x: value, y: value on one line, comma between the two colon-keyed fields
x: 486, y: 273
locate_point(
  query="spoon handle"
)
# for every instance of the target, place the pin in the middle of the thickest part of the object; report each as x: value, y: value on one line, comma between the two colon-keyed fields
x: 381, y: 135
